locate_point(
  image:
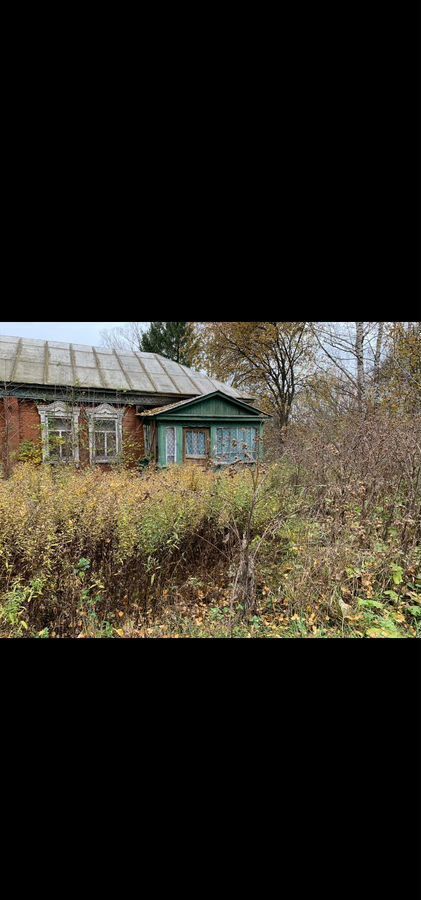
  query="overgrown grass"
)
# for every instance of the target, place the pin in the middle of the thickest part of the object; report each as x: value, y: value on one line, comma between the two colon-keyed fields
x: 94, y: 554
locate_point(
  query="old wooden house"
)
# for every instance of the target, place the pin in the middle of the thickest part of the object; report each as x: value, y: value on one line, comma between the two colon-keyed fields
x: 88, y: 405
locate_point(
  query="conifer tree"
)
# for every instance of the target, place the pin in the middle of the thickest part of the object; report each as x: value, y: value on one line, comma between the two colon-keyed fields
x: 175, y: 340
x: 179, y: 341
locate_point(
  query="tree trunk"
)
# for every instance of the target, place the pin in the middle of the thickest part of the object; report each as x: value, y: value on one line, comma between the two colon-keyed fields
x: 359, y: 352
x: 377, y: 357
x: 6, y: 439
x: 243, y: 595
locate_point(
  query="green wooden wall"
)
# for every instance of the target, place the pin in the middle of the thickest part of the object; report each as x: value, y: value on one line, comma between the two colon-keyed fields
x: 213, y: 407
x: 209, y: 412
x: 197, y: 424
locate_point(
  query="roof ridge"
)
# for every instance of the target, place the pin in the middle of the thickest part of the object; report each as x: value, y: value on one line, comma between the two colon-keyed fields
x: 98, y: 365
x: 46, y: 361
x: 165, y: 370
x: 187, y: 371
x: 73, y: 362
x: 17, y: 354
x: 125, y: 374
x: 145, y: 372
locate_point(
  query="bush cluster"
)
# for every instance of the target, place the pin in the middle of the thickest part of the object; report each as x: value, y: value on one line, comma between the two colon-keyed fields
x: 328, y: 536
x: 75, y: 540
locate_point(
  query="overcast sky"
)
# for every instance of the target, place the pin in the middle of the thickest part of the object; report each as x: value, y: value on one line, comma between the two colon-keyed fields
x: 73, y: 332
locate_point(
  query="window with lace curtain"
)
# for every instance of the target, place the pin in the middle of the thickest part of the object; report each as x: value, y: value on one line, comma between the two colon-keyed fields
x: 234, y: 444
x: 170, y: 445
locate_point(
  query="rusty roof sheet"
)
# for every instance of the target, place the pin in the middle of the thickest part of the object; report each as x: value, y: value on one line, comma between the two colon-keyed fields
x: 170, y: 406
x: 58, y: 364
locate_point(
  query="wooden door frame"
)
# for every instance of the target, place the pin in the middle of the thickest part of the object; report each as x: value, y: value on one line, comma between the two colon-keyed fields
x: 206, y: 429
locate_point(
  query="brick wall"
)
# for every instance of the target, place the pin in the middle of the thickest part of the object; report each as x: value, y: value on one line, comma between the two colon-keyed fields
x: 29, y: 422
x: 20, y: 421
x: 133, y: 437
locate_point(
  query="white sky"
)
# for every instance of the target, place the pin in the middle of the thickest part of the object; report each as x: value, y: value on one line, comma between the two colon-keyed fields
x: 73, y: 332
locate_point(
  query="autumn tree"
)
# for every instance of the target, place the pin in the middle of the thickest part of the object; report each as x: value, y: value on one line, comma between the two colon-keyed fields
x: 400, y: 373
x: 271, y: 359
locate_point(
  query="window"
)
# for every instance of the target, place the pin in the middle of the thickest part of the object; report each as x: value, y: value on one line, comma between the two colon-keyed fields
x: 60, y: 443
x: 233, y: 444
x: 170, y: 445
x: 105, y: 439
x: 195, y: 444
x: 60, y: 435
x: 105, y: 433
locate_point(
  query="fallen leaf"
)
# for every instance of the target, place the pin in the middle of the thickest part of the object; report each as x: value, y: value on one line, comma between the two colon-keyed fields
x: 345, y: 608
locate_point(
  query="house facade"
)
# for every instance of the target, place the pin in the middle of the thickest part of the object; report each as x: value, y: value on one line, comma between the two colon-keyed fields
x: 72, y: 403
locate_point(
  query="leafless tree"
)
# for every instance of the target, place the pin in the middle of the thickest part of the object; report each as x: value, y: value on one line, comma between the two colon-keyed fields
x: 124, y: 337
x: 354, y: 350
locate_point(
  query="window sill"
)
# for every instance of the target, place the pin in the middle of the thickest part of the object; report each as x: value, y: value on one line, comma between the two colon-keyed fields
x: 233, y: 462
x: 61, y: 462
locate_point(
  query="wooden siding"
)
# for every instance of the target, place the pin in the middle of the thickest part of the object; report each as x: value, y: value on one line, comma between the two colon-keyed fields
x: 209, y: 412
x: 213, y: 407
x: 179, y: 429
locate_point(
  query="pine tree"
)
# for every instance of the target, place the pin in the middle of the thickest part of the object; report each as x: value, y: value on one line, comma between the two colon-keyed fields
x: 174, y: 340
x: 179, y: 341
x: 153, y: 339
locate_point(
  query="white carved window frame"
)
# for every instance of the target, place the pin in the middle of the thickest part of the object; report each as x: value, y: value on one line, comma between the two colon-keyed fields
x: 59, y: 410
x: 112, y: 413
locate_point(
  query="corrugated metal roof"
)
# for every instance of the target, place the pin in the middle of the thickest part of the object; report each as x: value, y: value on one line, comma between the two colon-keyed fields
x: 55, y: 363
